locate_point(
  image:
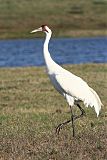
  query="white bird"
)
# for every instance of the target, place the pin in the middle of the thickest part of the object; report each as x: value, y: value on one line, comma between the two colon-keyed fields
x: 73, y: 88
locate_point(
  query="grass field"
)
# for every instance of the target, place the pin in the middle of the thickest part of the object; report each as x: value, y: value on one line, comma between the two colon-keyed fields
x: 30, y: 109
x: 67, y: 18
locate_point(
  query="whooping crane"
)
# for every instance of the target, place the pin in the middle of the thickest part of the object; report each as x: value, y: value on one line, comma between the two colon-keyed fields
x: 73, y: 88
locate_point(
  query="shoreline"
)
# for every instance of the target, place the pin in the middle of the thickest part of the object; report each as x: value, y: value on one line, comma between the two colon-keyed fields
x: 63, y: 65
x: 56, y: 34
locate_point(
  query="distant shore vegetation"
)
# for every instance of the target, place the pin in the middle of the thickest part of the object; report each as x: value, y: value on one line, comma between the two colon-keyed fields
x: 66, y: 18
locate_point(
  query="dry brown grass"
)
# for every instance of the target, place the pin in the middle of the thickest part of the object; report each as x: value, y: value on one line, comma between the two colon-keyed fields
x: 30, y: 109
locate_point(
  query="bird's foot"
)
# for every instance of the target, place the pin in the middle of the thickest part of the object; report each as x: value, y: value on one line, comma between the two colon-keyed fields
x: 58, y: 128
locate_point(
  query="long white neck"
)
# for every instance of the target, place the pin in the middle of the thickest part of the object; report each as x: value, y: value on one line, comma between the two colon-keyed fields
x: 47, y: 57
x: 52, y: 66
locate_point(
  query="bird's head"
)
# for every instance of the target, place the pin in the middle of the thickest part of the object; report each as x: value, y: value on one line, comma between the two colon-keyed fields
x: 43, y: 28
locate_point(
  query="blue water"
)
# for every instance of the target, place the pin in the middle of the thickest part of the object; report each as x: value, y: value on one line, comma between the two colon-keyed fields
x: 28, y: 52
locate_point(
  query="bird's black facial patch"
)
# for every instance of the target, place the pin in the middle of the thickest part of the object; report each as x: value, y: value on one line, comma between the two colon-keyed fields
x: 44, y: 28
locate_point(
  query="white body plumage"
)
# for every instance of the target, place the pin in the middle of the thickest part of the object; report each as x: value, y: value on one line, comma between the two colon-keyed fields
x: 72, y: 87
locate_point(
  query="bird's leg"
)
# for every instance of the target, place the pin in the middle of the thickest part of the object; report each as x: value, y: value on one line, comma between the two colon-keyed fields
x: 59, y: 127
x: 72, y: 120
x: 82, y: 112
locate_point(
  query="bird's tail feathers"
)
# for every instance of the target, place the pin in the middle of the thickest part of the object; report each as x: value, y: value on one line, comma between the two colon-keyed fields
x: 97, y: 97
x: 95, y: 102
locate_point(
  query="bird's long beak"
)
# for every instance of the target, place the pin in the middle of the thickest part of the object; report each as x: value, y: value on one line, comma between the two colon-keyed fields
x: 36, y: 30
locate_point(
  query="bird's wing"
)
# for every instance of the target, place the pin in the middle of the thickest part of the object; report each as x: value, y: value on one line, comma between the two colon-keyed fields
x: 79, y: 89
x: 72, y: 85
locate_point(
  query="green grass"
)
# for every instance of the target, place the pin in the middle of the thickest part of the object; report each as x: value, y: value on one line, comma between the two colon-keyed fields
x: 30, y: 109
x: 66, y: 18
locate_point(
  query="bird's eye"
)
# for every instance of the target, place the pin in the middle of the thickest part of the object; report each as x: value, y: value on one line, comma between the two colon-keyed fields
x: 44, y: 28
